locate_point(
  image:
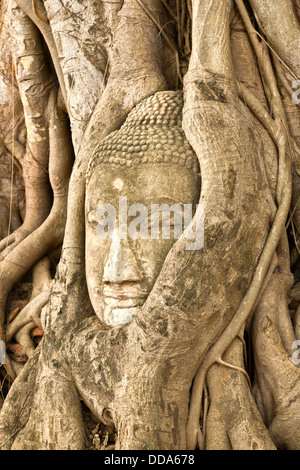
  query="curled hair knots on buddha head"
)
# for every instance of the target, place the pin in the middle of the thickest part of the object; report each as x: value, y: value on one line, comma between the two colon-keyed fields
x: 151, y: 134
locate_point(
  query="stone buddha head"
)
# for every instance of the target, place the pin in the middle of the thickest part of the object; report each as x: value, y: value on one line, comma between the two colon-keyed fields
x: 139, y: 180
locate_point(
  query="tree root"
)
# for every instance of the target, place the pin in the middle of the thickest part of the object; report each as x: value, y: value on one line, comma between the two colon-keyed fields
x: 278, y: 226
x: 169, y: 41
x: 242, y: 313
x: 281, y: 27
x: 60, y: 429
x: 9, y: 243
x: 29, y: 314
x: 233, y: 367
x: 15, y: 412
x: 23, y: 337
x: 240, y: 426
x: 41, y: 277
x: 45, y: 29
x: 17, y: 368
x: 50, y: 234
x: 277, y: 377
x: 21, y: 326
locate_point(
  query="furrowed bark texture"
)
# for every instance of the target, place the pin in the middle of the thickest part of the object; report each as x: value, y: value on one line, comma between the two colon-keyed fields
x: 80, y: 35
x: 12, y: 124
x: 281, y: 27
x: 276, y: 375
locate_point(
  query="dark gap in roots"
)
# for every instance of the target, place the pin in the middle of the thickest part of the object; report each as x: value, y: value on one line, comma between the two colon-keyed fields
x: 5, y: 384
x: 249, y: 359
x: 98, y: 435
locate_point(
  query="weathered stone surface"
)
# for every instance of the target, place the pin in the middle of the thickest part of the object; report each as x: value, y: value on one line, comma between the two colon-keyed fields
x: 152, y: 133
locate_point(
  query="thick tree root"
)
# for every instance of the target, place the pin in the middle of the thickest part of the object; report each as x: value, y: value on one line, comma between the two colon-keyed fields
x: 50, y: 234
x: 16, y: 411
x: 277, y: 377
x: 30, y: 312
x: 239, y: 425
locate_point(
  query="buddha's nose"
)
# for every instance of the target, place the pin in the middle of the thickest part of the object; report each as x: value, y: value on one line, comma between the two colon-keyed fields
x: 121, y: 265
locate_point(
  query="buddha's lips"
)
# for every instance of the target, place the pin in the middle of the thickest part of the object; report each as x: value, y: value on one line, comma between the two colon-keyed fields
x: 117, y: 291
x: 124, y: 303
x: 124, y: 298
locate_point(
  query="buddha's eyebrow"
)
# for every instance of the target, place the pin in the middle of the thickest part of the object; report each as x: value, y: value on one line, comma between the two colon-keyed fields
x: 91, y: 207
x: 162, y: 200
x: 93, y: 202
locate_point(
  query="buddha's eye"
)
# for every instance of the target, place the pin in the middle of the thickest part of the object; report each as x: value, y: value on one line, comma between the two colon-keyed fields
x: 166, y: 223
x: 93, y: 219
x: 99, y: 222
x: 175, y: 219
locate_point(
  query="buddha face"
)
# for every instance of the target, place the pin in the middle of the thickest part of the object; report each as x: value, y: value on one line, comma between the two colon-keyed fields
x: 123, y: 264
